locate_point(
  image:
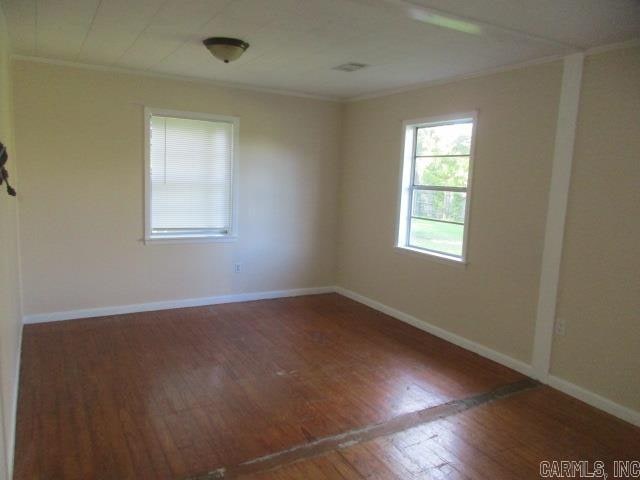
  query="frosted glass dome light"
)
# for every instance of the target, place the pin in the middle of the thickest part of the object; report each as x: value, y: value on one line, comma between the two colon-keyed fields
x: 225, y: 49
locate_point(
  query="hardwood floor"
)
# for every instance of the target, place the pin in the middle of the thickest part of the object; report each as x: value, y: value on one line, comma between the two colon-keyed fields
x: 506, y: 439
x: 339, y: 389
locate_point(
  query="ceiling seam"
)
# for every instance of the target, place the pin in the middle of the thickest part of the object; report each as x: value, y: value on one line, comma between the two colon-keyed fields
x: 210, y: 19
x: 86, y: 35
x: 142, y: 31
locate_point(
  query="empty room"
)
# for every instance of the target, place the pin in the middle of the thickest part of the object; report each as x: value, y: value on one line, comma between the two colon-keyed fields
x: 319, y: 239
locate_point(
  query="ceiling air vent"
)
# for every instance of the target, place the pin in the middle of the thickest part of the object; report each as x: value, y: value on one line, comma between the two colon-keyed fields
x: 350, y: 67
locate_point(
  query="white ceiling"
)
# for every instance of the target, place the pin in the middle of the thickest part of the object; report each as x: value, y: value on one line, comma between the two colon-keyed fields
x: 295, y: 43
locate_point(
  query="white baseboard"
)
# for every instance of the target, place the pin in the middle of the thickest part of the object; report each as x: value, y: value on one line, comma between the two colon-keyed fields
x: 588, y: 397
x: 170, y: 304
x: 564, y: 386
x: 465, y: 343
x: 595, y: 400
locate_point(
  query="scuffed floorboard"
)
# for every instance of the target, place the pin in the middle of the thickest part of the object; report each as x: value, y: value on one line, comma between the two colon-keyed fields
x: 368, y: 433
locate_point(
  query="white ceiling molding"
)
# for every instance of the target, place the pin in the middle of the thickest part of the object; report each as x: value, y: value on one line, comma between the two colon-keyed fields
x: 182, y: 78
x: 295, y: 44
x: 492, y: 71
x: 328, y: 98
x: 290, y: 93
x: 457, y: 78
x: 613, y: 46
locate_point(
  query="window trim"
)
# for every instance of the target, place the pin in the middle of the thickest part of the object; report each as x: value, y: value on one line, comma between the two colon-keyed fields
x: 407, y: 166
x: 195, y: 237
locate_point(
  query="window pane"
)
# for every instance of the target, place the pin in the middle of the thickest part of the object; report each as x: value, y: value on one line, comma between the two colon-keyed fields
x: 191, y: 172
x: 437, y: 205
x: 444, y: 139
x: 442, y: 171
x: 438, y: 236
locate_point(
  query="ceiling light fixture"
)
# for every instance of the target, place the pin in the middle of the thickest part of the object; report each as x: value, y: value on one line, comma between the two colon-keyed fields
x: 350, y: 67
x: 225, y: 49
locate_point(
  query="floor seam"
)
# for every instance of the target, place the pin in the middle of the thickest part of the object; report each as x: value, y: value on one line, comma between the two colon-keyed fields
x: 349, y: 438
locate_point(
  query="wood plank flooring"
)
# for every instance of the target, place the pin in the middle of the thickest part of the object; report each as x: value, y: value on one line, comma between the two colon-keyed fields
x: 179, y: 393
x: 506, y: 439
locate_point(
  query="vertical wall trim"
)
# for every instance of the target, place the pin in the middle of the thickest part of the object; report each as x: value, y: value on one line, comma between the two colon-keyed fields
x: 4, y: 463
x: 556, y: 213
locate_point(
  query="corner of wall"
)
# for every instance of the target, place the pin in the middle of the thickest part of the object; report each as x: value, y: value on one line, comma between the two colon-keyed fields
x: 341, y: 196
x: 10, y: 269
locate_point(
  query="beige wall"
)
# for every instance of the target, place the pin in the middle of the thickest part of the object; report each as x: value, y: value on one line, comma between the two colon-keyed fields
x: 493, y: 300
x: 10, y: 316
x: 80, y: 133
x: 80, y: 137
x: 599, y: 295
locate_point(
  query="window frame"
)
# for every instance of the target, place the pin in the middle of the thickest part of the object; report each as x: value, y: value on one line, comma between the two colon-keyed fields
x: 195, y: 236
x: 407, y: 187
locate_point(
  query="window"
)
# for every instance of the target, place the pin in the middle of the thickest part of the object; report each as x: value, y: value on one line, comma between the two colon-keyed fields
x: 190, y: 176
x: 436, y: 181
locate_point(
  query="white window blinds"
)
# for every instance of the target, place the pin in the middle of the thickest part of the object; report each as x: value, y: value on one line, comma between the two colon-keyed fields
x: 191, y: 169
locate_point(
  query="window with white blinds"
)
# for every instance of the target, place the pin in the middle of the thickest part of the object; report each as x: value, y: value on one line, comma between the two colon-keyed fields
x: 190, y: 175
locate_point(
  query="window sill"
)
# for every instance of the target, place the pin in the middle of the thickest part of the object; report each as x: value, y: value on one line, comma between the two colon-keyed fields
x: 190, y: 239
x: 436, y: 257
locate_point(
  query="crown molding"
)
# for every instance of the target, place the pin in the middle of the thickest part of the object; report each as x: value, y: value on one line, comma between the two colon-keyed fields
x: 168, y: 76
x: 455, y: 78
x: 492, y: 71
x: 275, y: 91
x: 329, y: 98
x: 635, y: 42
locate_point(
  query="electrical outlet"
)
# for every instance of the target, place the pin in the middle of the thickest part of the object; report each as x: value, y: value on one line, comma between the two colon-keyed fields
x: 561, y: 327
x: 237, y: 268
